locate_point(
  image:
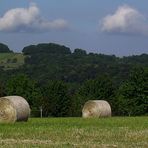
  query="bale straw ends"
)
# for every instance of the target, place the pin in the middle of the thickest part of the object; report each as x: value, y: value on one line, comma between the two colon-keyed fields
x: 96, y: 108
x: 13, y: 108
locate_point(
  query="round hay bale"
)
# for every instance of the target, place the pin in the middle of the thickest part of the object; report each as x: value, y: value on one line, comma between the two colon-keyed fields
x: 96, y: 108
x: 13, y: 108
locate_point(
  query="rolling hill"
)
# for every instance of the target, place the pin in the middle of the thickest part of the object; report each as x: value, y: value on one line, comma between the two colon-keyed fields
x: 11, y: 60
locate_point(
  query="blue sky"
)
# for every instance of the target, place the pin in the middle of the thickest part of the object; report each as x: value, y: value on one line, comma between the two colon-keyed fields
x: 117, y: 27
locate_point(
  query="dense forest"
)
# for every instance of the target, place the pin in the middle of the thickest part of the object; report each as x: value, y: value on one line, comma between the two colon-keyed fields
x: 61, y: 81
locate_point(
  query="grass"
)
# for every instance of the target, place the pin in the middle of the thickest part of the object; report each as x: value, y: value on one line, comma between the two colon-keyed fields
x: 6, y: 60
x: 122, y: 132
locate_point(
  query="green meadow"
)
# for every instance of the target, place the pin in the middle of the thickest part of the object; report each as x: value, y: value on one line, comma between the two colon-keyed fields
x: 122, y: 132
x: 11, y: 60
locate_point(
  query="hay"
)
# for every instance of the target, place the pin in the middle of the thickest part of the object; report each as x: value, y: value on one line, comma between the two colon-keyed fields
x: 96, y: 108
x: 13, y: 108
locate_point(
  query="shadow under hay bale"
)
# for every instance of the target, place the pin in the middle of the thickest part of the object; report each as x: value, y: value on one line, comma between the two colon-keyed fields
x: 96, y: 108
x: 13, y: 108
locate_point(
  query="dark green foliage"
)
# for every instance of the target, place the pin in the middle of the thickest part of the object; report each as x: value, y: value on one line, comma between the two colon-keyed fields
x: 59, y: 103
x: 4, y: 48
x: 55, y: 62
x: 31, y: 49
x: 2, y: 90
x: 23, y: 86
x: 61, y: 81
x: 51, y: 48
x: 99, y: 88
x: 80, y: 52
x: 133, y: 94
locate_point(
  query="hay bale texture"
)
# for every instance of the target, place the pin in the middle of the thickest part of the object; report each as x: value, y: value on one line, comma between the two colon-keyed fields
x: 96, y: 108
x: 13, y: 108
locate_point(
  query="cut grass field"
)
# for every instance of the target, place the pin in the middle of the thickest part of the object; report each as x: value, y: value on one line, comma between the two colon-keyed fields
x: 122, y: 132
x: 6, y: 60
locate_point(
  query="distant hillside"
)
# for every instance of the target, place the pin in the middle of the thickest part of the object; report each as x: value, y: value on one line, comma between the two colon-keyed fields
x: 50, y: 61
x: 4, y: 48
x: 11, y: 60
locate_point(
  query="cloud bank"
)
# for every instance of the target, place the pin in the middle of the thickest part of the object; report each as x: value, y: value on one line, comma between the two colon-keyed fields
x: 126, y: 20
x: 29, y: 19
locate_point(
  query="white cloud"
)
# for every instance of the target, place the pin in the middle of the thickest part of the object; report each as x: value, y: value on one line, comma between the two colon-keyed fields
x: 29, y: 19
x: 126, y: 20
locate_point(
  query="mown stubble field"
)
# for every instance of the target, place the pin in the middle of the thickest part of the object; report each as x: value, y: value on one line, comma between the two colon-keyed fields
x: 120, y: 132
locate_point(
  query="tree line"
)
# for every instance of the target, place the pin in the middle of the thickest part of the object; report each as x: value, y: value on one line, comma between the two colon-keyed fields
x: 61, y: 81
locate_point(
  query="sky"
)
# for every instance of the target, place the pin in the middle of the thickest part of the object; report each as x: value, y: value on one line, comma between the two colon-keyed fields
x: 113, y: 27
